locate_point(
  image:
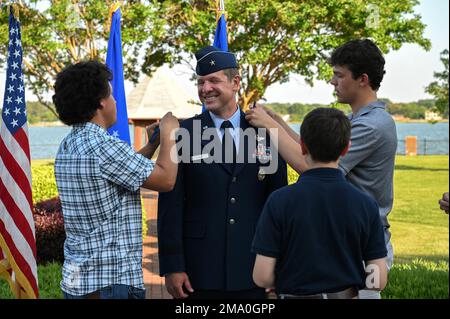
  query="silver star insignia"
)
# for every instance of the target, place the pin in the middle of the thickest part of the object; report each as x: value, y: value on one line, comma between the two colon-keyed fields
x: 213, y: 62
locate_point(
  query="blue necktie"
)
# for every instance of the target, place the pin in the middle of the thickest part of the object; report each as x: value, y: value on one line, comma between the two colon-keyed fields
x: 227, y: 137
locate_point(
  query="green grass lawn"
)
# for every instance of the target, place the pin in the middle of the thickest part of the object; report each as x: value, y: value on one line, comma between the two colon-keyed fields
x: 420, y: 231
x: 49, y: 279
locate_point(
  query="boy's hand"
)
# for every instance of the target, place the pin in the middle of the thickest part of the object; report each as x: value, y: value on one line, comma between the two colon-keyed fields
x: 259, y: 117
x: 168, y: 123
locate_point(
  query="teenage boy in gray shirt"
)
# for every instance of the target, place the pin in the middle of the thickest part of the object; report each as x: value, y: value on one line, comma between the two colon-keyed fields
x: 358, y: 68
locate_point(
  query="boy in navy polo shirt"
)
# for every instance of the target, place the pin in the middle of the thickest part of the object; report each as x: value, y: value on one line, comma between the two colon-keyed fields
x: 313, y: 236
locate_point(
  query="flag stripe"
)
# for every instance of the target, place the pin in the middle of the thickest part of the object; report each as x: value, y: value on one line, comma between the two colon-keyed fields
x: 14, y: 148
x: 29, y: 272
x: 22, y: 139
x: 21, y: 247
x: 19, y: 242
x: 22, y: 200
x: 18, y: 218
x: 15, y: 171
x: 19, y: 197
x: 18, y: 239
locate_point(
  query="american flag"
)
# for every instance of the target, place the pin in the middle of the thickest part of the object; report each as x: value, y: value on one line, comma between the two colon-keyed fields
x: 17, y: 233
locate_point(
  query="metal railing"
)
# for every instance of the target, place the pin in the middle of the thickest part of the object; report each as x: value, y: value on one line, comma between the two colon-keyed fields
x: 426, y: 147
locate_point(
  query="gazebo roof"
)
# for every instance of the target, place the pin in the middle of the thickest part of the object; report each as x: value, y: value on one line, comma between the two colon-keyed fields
x: 153, y: 97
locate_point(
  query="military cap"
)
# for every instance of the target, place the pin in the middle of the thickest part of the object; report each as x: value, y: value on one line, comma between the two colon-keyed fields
x: 211, y: 59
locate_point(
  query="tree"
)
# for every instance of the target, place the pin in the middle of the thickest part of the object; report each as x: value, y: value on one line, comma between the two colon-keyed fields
x: 439, y: 88
x: 274, y: 38
x: 58, y: 32
x: 36, y: 113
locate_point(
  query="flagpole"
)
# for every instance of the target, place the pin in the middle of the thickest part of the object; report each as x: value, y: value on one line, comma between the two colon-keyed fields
x: 113, y: 8
x: 15, y: 10
x: 220, y: 9
x: 221, y: 34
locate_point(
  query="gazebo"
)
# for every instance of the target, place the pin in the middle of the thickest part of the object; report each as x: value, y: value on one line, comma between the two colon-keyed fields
x: 155, y: 96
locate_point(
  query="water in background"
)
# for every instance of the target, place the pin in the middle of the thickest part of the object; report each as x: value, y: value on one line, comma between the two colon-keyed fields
x: 432, y: 138
x: 45, y: 140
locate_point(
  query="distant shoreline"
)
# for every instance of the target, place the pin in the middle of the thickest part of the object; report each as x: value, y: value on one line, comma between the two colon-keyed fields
x: 55, y: 123
x: 420, y: 121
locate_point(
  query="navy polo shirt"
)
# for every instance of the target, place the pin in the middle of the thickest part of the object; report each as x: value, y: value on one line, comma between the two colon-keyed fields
x: 320, y: 230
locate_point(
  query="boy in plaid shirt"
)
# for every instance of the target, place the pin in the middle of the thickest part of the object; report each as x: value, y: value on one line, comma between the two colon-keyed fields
x: 98, y: 178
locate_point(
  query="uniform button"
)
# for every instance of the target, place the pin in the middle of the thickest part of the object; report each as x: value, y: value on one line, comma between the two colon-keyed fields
x: 232, y: 221
x: 234, y: 179
x: 232, y: 200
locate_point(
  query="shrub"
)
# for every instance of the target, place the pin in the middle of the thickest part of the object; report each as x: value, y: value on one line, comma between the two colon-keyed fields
x: 49, y: 205
x: 44, y: 186
x: 50, y: 234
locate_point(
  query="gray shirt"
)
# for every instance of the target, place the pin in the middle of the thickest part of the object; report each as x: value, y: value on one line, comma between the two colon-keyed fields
x: 369, y: 164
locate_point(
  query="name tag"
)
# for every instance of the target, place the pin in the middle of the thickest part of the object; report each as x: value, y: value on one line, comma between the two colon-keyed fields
x: 200, y: 157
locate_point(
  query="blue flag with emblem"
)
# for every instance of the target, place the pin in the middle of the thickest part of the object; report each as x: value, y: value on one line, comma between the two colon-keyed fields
x: 220, y: 38
x: 115, y: 64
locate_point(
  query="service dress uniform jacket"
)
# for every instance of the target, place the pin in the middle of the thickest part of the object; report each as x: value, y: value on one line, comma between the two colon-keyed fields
x: 207, y: 222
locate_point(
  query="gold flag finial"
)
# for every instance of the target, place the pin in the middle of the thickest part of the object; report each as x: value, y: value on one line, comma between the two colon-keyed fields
x: 220, y: 9
x: 15, y: 10
x: 113, y: 8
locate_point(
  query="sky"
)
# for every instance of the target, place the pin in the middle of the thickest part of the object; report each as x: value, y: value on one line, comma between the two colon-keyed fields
x: 408, y: 70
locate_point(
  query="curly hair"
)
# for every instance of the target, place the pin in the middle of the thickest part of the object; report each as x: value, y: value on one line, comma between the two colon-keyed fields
x: 79, y: 89
x: 361, y: 56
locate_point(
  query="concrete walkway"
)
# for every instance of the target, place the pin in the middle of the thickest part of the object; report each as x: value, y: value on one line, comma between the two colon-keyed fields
x: 154, y: 284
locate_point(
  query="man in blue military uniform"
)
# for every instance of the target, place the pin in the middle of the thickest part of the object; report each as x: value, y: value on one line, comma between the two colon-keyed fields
x: 206, y: 224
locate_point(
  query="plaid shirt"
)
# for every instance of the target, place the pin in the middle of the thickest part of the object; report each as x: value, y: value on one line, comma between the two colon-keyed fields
x: 98, y: 179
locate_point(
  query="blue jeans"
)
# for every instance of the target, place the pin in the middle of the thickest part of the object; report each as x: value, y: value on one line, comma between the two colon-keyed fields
x: 112, y: 292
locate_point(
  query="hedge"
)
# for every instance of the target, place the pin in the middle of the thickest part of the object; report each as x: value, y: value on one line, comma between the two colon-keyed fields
x: 43, y: 180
